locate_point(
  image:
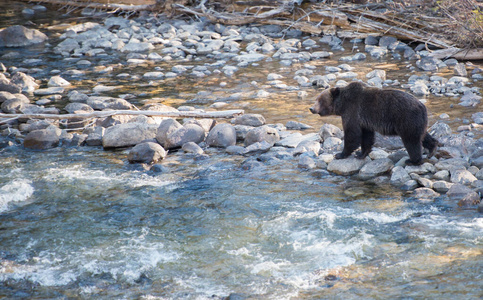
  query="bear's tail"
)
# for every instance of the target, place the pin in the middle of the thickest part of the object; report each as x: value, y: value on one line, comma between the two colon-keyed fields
x: 430, y: 143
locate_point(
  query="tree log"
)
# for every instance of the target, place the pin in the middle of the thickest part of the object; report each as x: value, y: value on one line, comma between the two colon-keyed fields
x: 103, y: 114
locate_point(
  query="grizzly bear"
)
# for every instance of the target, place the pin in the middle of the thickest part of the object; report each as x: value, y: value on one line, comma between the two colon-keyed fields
x: 365, y: 110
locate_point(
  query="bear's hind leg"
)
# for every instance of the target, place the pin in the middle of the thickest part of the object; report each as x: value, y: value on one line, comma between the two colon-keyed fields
x: 430, y: 143
x: 415, y: 151
x: 367, y: 140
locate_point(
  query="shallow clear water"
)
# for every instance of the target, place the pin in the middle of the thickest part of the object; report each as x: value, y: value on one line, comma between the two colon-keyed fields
x: 83, y: 223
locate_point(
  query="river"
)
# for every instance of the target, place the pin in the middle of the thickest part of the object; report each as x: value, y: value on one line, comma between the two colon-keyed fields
x: 84, y: 223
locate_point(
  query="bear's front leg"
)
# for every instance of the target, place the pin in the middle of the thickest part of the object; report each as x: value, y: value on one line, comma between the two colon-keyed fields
x: 367, y: 140
x: 352, y: 140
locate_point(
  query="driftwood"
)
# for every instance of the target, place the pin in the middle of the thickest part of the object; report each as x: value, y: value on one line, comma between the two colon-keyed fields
x: 112, y: 7
x: 461, y: 54
x: 4, y: 118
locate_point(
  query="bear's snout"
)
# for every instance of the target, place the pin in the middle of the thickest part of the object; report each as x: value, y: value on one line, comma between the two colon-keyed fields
x: 312, y: 110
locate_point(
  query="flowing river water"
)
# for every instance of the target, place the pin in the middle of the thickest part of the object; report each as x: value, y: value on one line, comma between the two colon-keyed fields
x: 84, y: 223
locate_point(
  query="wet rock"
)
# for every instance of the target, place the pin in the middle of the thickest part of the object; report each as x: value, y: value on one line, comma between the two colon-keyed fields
x: 101, y: 103
x: 20, y: 36
x: 388, y: 42
x: 306, y: 162
x: 76, y: 96
x: 441, y: 186
x: 237, y: 150
x: 378, y: 154
x: 206, y: 124
x: 57, y: 81
x: 442, y: 175
x: 470, y: 200
x: 428, y: 64
x: 49, y: 91
x: 43, y: 138
x: 458, y: 191
x: 476, y: 158
x: 192, y: 148
x: 14, y: 105
x: 75, y: 140
x: 6, y: 96
x: 332, y: 143
x: 399, y: 175
x: 376, y: 167
x: 263, y: 133
x: 346, y: 166
x: 470, y: 99
x: 187, y: 133
x: 76, y: 108
x: 329, y: 130
x: 462, y: 177
x: 452, y: 164
x: 136, y: 46
x: 249, y: 120
x: 147, y: 153
x: 126, y: 135
x: 425, y: 168
x: 258, y: 147
x: 307, y: 146
x: 222, y: 135
x: 425, y: 194
x: 293, y: 125
x: 7, y: 86
x: 94, y: 136
x: 410, y: 185
x: 249, y: 58
x: 166, y: 127
x: 26, y: 83
x: 460, y: 70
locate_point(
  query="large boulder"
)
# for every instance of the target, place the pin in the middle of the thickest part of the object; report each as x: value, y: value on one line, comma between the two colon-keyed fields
x: 260, y: 134
x: 43, y: 138
x: 376, y: 167
x: 188, y: 133
x: 346, y: 166
x: 148, y: 153
x: 166, y: 127
x: 25, y: 82
x: 222, y: 135
x: 129, y: 134
x: 20, y: 36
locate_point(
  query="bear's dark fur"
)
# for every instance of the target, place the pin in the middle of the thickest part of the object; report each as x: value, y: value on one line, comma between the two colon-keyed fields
x: 365, y: 110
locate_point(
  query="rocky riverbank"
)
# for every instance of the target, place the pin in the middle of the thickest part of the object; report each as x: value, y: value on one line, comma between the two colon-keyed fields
x: 456, y: 171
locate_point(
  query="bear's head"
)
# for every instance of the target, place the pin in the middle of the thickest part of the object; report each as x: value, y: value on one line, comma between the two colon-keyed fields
x: 325, y: 102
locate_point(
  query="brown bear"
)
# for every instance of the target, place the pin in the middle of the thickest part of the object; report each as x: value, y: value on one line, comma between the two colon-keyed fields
x: 365, y: 110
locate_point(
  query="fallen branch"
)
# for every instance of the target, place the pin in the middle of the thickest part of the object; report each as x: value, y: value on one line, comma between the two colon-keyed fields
x: 460, y: 54
x: 103, y: 114
x: 102, y: 6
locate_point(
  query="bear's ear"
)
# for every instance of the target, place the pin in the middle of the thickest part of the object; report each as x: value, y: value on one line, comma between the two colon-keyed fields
x: 334, y: 92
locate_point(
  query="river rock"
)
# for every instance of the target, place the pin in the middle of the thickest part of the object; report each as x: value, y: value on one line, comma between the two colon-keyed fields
x: 293, y: 125
x: 462, y: 177
x: 263, y: 133
x: 49, y: 91
x: 4, y: 96
x: 470, y: 200
x: 441, y: 186
x: 222, y: 135
x: 428, y: 63
x: 399, y: 175
x: 425, y: 193
x: 76, y: 108
x: 58, y: 81
x: 187, y: 133
x: 43, y: 138
x: 101, y: 103
x: 329, y: 130
x: 476, y: 158
x: 347, y: 166
x: 193, y: 148
x: 425, y: 168
x: 258, y: 147
x: 249, y: 120
x: 376, y: 167
x: 249, y: 58
x: 136, y: 46
x: 26, y: 82
x: 76, y: 96
x: 94, y: 135
x: 470, y: 99
x: 20, y: 36
x: 310, y: 146
x: 147, y: 153
x: 166, y: 127
x: 14, y: 105
x: 129, y: 134
x: 458, y: 191
x: 332, y: 143
x: 306, y: 162
x: 7, y: 86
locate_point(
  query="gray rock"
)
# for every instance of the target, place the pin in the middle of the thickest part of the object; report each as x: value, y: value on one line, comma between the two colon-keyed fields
x: 399, y: 175
x: 460, y: 70
x: 166, y: 127
x: 346, y: 166
x: 306, y: 162
x: 147, y: 152
x: 425, y: 168
x: 470, y: 200
x: 332, y: 143
x: 425, y: 193
x: 58, y: 81
x: 462, y: 177
x: 6, y: 96
x: 20, y: 36
x: 7, y: 86
x: 311, y: 146
x: 458, y: 191
x: 76, y: 96
x: 222, y: 135
x: 452, y: 164
x: 193, y: 148
x: 14, y: 105
x: 470, y: 99
x: 293, y: 125
x: 237, y: 150
x: 263, y: 133
x: 129, y: 134
x: 329, y: 130
x: 94, y: 136
x: 249, y: 120
x: 258, y: 147
x: 187, y: 133
x: 133, y: 46
x: 249, y: 58
x: 49, y: 91
x: 442, y: 175
x: 77, y: 107
x: 388, y: 42
x: 101, y: 103
x: 26, y: 83
x: 67, y: 46
x: 43, y: 138
x: 428, y: 63
x: 441, y: 186
x: 376, y: 167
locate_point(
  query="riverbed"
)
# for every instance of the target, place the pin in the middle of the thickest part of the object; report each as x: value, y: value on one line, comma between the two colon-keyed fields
x: 84, y: 223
